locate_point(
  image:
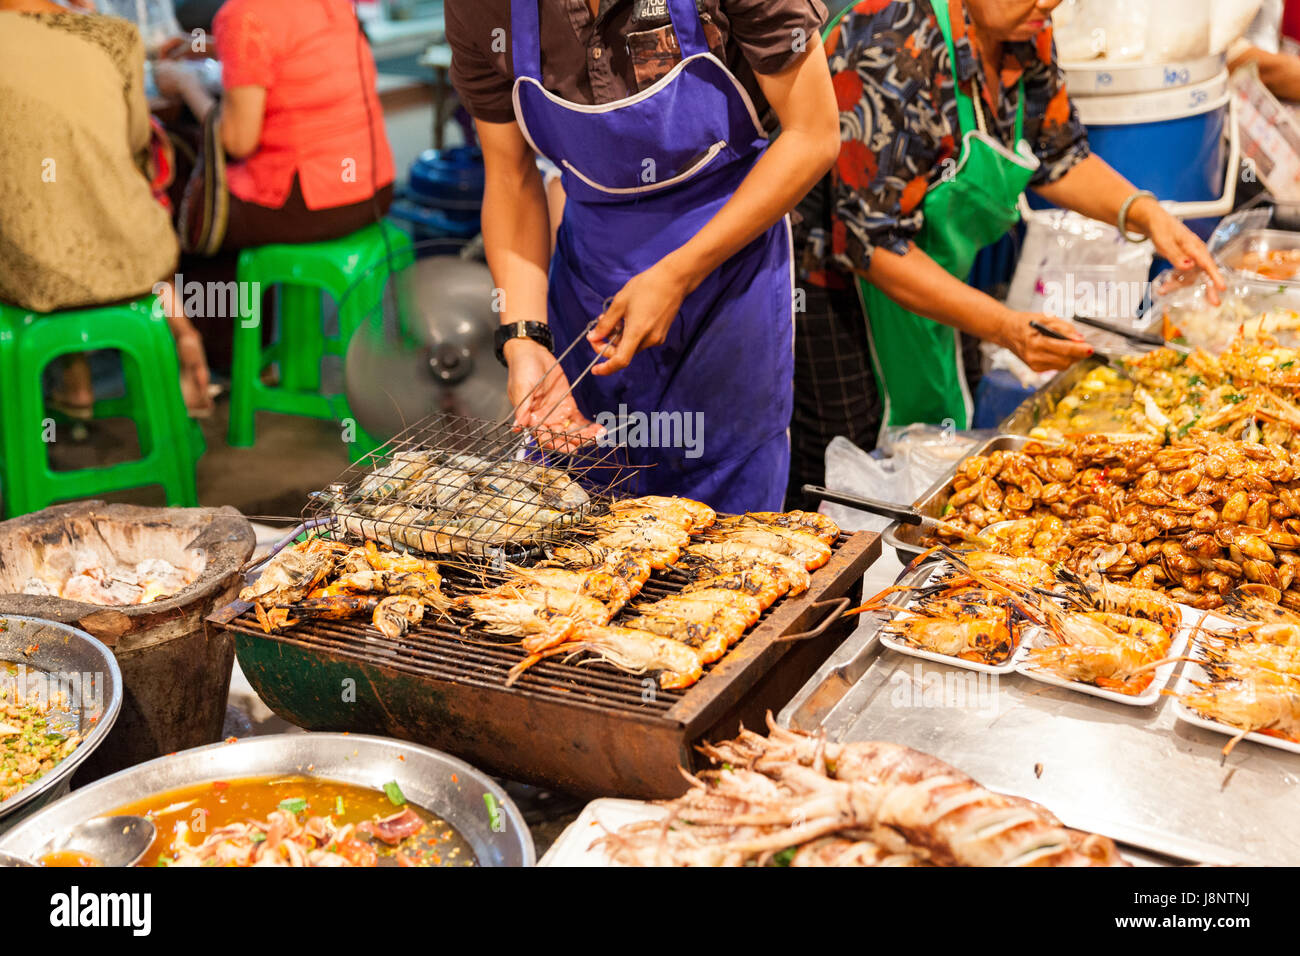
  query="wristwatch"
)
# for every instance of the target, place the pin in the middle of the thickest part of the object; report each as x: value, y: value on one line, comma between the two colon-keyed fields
x: 539, y: 332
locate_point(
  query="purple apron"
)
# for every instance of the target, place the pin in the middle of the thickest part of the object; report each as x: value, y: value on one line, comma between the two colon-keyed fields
x: 708, y: 410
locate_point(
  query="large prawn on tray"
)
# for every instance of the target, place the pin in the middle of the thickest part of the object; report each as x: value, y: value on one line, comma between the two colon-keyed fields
x: 1252, y: 668
x: 790, y: 799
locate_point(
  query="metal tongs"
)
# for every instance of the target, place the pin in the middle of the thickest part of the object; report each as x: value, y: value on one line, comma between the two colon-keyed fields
x: 901, y: 513
x: 1132, y: 335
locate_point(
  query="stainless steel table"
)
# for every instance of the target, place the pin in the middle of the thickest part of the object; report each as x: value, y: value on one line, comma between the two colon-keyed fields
x: 1131, y: 773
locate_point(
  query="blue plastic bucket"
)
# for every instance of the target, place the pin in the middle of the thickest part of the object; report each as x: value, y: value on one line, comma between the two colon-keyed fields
x: 1170, y: 141
x: 448, y: 175
x: 444, y: 194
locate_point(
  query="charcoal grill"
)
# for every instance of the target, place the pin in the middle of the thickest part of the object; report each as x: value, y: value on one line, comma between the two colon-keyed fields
x: 579, y: 726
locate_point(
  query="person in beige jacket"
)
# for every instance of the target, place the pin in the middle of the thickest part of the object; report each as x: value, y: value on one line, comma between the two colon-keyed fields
x: 79, y: 225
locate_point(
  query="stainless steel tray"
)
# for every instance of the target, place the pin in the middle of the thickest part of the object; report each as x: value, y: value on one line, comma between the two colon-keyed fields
x: 1043, y: 402
x: 1131, y: 773
x: 1262, y: 241
x: 906, y: 538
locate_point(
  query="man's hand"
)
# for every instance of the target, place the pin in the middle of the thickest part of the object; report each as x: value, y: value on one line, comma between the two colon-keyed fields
x: 549, y: 405
x: 645, y: 307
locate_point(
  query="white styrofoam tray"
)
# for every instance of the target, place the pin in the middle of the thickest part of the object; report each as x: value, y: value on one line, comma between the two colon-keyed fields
x: 573, y: 847
x: 1037, y: 637
x: 902, y: 647
x: 1194, y: 672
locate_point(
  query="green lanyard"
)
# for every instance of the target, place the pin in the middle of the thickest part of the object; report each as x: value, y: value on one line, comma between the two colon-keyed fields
x: 965, y: 104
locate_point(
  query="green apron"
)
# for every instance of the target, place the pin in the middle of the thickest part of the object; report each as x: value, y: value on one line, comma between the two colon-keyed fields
x: 917, y: 361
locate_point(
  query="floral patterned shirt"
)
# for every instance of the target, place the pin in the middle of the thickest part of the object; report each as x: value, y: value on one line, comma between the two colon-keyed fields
x: 900, y: 132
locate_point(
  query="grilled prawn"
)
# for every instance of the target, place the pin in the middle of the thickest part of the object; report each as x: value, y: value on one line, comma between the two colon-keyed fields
x: 691, y: 515
x: 715, y: 553
x: 395, y: 615
x: 538, y: 625
x: 709, y: 639
x: 627, y: 649
x: 1125, y: 667
x: 1143, y: 603
x: 287, y: 578
x: 809, y: 550
x: 742, y: 607
x: 818, y: 525
x: 989, y: 640
x: 1250, y: 704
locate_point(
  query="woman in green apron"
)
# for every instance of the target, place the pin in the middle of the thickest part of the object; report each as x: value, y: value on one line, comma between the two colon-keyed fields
x: 949, y: 110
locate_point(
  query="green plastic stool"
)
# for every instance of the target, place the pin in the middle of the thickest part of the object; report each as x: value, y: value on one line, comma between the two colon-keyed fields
x: 349, y: 270
x: 9, y: 478
x: 170, y: 441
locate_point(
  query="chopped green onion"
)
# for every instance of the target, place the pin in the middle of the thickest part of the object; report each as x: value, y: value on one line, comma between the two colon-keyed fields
x: 338, y: 805
x: 294, y: 805
x: 784, y: 858
x: 258, y: 837
x: 394, y: 792
x: 494, y: 812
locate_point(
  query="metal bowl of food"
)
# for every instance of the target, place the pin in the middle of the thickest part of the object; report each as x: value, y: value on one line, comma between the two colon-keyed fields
x: 349, y: 774
x: 60, y: 692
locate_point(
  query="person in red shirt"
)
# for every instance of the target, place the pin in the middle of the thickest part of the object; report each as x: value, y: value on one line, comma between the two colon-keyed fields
x: 300, y: 122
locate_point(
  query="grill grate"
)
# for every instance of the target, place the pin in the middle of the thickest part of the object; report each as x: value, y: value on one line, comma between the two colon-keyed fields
x: 451, y: 646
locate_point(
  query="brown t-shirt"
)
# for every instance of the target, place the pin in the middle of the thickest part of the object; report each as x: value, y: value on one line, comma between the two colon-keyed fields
x: 624, y: 49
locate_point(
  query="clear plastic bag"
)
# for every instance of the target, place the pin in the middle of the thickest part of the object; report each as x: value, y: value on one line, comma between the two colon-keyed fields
x: 909, y: 461
x: 1071, y: 265
x: 1100, y: 29
x: 156, y: 19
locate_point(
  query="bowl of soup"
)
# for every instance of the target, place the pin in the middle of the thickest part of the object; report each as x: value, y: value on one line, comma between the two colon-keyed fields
x: 315, y: 799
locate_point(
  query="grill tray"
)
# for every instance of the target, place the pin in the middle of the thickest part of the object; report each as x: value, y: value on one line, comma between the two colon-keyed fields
x: 583, y: 727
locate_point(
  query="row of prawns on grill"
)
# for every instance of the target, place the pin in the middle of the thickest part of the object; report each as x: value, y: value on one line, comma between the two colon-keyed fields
x: 790, y: 799
x: 1096, y: 631
x: 738, y: 566
x: 322, y: 579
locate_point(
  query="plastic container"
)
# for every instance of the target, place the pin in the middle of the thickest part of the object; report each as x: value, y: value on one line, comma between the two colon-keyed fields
x: 1270, y: 135
x: 444, y: 194
x: 1181, y: 128
x: 1188, y: 314
x: 1104, y: 78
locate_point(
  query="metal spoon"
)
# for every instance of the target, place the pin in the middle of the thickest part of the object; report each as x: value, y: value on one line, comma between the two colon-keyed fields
x: 109, y: 841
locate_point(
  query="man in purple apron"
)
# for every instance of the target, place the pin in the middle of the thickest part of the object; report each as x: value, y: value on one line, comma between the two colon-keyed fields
x: 674, y: 231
